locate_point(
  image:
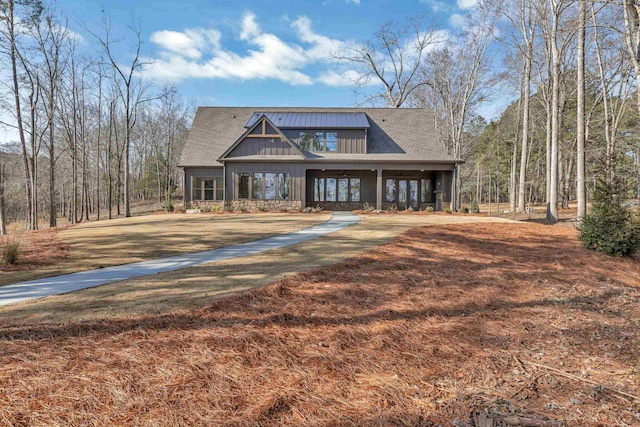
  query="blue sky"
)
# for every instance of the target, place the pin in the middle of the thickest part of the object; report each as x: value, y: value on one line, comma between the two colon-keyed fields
x: 250, y: 52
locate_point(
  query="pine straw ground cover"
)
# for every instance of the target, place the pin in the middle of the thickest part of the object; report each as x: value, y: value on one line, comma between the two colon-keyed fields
x: 37, y: 249
x: 507, y: 318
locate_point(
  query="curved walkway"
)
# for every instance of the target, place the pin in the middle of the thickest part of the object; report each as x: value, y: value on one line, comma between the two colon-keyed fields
x: 23, y: 291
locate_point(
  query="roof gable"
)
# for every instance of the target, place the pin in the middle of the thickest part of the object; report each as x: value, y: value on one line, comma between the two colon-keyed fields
x: 261, y: 136
x: 395, y: 134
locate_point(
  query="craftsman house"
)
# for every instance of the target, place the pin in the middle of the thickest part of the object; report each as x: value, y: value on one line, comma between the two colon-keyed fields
x: 335, y: 158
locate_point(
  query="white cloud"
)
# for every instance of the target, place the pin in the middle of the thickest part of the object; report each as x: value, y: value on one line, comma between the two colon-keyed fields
x: 250, y: 28
x: 345, y: 78
x: 199, y: 53
x: 456, y: 20
x: 352, y: 1
x: 322, y: 46
x: 467, y: 4
x: 436, y: 5
x: 189, y: 43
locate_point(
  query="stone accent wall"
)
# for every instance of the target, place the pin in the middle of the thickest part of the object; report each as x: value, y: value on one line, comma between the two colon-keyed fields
x: 210, y: 204
x: 269, y: 205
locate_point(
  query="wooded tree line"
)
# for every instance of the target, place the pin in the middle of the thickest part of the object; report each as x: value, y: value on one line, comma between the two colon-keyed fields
x: 575, y: 65
x: 92, y: 135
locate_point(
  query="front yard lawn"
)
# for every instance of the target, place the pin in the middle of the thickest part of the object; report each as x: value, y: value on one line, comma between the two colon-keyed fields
x: 515, y: 319
x: 97, y: 244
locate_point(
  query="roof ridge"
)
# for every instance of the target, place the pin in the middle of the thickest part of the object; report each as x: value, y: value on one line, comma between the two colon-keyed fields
x: 249, y: 107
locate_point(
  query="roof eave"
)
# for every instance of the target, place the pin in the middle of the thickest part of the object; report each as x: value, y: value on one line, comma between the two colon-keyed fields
x: 325, y: 160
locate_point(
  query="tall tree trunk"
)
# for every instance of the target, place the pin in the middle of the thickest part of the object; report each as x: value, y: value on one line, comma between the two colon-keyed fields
x: 16, y: 94
x: 53, y: 214
x: 552, y: 210
x: 580, y: 128
x: 3, y: 225
x: 525, y: 129
x: 98, y: 146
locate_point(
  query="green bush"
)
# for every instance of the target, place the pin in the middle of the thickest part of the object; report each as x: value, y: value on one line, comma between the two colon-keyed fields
x: 465, y: 210
x: 610, y: 228
x: 429, y: 209
x: 169, y: 206
x: 11, y: 252
x: 474, y: 207
x: 205, y: 208
x: 447, y: 211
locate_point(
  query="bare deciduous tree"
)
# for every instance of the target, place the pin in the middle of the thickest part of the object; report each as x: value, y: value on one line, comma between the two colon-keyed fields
x: 393, y: 58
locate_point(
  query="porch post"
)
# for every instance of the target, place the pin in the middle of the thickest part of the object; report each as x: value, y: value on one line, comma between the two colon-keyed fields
x: 379, y: 191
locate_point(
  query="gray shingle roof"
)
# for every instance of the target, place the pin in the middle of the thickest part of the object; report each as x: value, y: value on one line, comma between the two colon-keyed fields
x: 396, y: 134
x: 308, y: 120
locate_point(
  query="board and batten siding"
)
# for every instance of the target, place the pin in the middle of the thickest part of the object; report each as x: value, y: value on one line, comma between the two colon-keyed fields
x: 262, y: 147
x: 296, y: 175
x: 350, y: 141
x: 190, y: 173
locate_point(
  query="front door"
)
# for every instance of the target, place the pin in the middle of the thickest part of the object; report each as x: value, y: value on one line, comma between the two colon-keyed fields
x: 408, y: 194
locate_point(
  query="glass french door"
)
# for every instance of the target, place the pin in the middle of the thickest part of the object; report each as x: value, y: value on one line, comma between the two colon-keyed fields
x: 408, y: 194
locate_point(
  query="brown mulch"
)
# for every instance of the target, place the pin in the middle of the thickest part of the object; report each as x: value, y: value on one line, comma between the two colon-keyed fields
x: 38, y: 248
x: 514, y: 320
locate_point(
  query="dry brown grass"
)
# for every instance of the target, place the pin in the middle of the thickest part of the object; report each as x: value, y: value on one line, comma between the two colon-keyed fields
x: 512, y: 317
x: 99, y: 244
x: 194, y: 287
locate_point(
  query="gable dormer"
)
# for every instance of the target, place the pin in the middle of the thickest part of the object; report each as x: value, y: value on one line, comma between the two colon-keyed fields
x: 321, y: 132
x: 262, y: 138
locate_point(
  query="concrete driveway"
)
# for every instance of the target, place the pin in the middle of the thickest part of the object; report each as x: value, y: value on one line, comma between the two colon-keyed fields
x: 33, y: 289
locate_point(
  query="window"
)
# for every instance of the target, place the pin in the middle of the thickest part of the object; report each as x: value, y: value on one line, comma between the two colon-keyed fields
x: 426, y: 190
x: 269, y: 186
x: 263, y: 186
x: 343, y: 190
x: 331, y: 189
x: 402, y: 194
x: 207, y: 188
x: 256, y: 186
x: 283, y: 186
x: 331, y: 141
x: 355, y: 189
x: 308, y: 140
x: 243, y: 185
x: 413, y: 193
x: 391, y: 191
x: 318, y: 141
x: 318, y: 190
x: 336, y: 189
x: 196, y: 188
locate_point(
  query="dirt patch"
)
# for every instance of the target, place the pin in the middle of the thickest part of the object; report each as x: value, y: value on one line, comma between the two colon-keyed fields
x: 516, y: 318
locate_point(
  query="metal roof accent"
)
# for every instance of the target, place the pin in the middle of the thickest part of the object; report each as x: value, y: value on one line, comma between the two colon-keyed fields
x: 313, y: 120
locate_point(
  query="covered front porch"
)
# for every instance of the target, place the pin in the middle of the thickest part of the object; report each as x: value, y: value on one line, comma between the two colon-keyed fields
x: 382, y: 189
